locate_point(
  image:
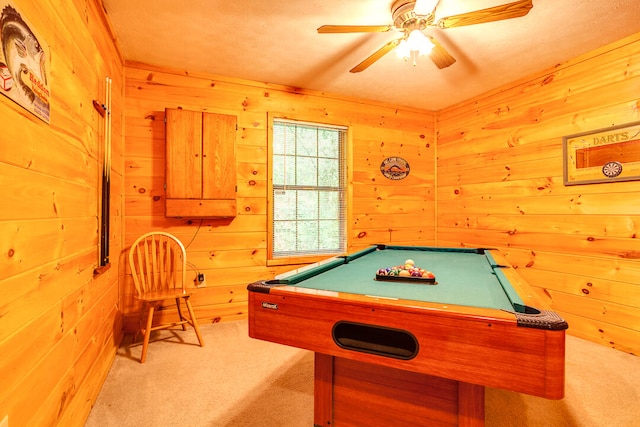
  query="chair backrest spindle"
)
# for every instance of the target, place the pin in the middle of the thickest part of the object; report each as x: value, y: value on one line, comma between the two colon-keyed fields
x: 157, y: 261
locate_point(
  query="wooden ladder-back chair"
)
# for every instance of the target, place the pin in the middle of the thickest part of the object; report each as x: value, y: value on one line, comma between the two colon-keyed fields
x: 158, y: 262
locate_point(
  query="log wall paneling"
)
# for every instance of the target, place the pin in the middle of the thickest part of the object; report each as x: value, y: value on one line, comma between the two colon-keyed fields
x: 499, y: 177
x: 497, y: 180
x: 60, y: 324
x: 500, y: 183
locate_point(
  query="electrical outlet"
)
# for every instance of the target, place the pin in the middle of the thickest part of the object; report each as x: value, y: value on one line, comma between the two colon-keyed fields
x: 200, y: 282
x: 5, y: 421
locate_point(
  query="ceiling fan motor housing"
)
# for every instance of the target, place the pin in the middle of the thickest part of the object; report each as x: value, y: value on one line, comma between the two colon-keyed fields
x: 405, y: 18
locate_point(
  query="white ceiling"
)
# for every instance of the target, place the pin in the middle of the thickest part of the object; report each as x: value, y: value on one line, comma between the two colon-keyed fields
x: 275, y: 41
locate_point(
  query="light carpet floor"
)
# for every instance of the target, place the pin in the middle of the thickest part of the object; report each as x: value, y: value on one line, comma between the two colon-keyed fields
x: 237, y: 381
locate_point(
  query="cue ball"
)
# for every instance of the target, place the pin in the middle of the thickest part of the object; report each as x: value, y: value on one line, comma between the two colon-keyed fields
x: 409, y: 262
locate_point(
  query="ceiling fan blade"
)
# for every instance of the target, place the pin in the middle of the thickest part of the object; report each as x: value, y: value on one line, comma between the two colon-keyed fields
x: 440, y: 56
x: 515, y: 9
x: 355, y: 28
x: 375, y: 56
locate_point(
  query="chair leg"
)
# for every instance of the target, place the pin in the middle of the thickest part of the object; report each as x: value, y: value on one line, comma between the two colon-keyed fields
x: 180, y: 316
x: 194, y: 321
x: 141, y: 313
x: 147, y: 333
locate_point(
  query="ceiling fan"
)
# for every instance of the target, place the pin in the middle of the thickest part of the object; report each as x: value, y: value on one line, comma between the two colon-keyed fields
x: 411, y: 17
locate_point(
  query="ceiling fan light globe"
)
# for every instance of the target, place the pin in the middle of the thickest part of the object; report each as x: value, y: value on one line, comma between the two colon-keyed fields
x: 426, y: 49
x: 418, y: 42
x: 403, y: 50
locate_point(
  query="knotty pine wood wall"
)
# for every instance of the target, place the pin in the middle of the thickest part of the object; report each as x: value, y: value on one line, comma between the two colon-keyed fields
x: 500, y: 183
x: 233, y: 253
x: 59, y: 324
x: 499, y: 163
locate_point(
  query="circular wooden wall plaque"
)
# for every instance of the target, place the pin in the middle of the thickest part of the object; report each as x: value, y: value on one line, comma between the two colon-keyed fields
x: 395, y: 168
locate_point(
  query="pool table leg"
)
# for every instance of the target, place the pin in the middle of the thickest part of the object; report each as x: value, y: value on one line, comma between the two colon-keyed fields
x: 323, y: 390
x: 470, y: 405
x: 348, y: 391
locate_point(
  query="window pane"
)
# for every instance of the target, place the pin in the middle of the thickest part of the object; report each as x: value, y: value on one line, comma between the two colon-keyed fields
x: 278, y: 139
x: 290, y: 140
x: 284, y: 205
x: 307, y: 141
x: 328, y: 174
x: 329, y: 143
x: 289, y: 170
x: 277, y: 175
x: 284, y: 139
x: 307, y: 204
x: 307, y: 171
x: 329, y: 205
x: 307, y: 235
x: 283, y: 170
x: 330, y: 235
x: 284, y: 236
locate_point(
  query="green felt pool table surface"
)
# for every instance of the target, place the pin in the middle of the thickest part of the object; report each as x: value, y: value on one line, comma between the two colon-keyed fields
x: 468, y: 277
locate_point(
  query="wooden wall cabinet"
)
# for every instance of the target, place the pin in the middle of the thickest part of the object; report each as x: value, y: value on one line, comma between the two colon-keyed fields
x: 200, y: 164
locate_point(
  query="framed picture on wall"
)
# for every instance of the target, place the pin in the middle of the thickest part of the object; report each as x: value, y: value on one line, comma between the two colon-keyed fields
x: 24, y: 63
x: 605, y: 155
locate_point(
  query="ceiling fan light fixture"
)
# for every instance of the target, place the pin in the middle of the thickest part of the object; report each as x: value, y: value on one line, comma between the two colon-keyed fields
x: 414, y: 45
x: 403, y: 50
x: 411, y: 17
x: 418, y: 42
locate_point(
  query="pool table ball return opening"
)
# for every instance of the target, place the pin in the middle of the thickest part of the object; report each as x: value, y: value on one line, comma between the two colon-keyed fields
x: 394, y: 353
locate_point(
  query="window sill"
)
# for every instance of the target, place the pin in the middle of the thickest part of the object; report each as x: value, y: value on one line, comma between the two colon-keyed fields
x: 300, y: 260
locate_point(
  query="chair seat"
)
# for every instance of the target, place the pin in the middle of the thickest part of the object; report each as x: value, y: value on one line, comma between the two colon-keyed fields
x: 163, y: 294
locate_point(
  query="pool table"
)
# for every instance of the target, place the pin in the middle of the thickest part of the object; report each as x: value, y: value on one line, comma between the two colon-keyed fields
x: 409, y: 351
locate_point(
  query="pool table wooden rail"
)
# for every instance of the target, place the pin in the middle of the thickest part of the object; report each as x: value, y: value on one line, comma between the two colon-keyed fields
x: 472, y: 345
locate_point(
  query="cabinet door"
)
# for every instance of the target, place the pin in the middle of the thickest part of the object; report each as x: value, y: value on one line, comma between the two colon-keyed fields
x: 184, y: 154
x: 218, y: 156
x: 200, y: 164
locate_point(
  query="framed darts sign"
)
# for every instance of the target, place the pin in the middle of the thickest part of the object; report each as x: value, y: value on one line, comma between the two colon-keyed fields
x: 605, y: 155
x: 24, y: 63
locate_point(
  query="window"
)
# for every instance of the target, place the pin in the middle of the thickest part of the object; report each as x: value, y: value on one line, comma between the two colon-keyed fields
x: 308, y: 209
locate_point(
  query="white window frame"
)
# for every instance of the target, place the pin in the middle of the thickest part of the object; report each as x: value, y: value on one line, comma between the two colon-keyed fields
x: 306, y: 256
